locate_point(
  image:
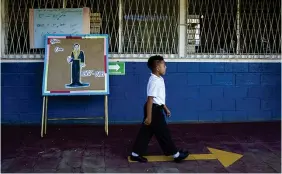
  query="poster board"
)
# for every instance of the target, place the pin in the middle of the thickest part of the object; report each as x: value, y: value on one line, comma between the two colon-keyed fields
x: 57, y: 21
x: 76, y: 65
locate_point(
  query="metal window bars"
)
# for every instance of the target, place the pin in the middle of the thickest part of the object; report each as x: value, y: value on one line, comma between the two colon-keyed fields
x: 139, y: 28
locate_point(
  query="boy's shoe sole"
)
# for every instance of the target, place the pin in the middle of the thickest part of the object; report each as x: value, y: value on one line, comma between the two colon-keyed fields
x: 140, y: 159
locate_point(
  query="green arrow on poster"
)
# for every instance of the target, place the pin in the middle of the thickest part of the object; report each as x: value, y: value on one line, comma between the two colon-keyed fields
x: 117, y: 68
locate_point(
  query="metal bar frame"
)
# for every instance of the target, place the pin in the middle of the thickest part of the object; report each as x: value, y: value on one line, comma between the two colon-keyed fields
x: 45, y: 119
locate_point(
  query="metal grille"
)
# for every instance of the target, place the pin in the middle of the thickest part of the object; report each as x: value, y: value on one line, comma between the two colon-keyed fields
x: 230, y: 26
x: 260, y: 26
x: 150, y: 26
x: 16, y: 39
x: 216, y: 22
x: 143, y: 27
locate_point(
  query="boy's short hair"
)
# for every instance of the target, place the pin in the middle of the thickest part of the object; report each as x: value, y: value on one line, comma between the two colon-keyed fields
x: 153, y: 61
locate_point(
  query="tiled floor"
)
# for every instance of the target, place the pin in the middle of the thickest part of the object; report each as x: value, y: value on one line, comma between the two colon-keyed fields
x: 87, y: 149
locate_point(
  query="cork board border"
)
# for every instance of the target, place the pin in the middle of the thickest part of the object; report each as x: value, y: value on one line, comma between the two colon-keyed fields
x: 82, y: 91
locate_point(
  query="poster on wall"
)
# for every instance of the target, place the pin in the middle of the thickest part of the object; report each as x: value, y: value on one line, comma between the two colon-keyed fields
x: 76, y: 65
x: 57, y: 21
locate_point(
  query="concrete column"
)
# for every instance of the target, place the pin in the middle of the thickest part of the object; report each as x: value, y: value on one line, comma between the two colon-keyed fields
x: 182, y: 28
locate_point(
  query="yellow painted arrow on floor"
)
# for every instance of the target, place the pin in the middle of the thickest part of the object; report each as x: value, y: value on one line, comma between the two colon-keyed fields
x: 224, y: 157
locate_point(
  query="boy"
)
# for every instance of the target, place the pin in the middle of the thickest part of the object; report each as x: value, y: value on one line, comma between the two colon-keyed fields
x: 154, y: 122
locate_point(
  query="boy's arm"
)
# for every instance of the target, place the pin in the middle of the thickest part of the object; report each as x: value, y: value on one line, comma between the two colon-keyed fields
x: 149, y: 107
x: 151, y: 93
x: 167, y: 111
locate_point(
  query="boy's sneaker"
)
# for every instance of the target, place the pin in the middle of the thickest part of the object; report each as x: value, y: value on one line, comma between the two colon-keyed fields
x: 182, y: 155
x: 140, y: 159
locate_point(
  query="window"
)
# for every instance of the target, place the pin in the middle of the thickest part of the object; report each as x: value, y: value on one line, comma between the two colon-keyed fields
x: 260, y: 28
x: 150, y: 26
x: 231, y: 27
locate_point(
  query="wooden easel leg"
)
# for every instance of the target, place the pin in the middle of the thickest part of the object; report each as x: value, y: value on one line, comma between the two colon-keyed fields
x: 46, y: 115
x: 106, y: 115
x: 43, y: 116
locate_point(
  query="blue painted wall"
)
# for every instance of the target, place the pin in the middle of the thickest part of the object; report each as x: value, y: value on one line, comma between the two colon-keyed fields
x: 196, y: 92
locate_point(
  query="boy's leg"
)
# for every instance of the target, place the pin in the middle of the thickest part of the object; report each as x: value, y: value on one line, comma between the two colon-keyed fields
x: 163, y: 136
x: 143, y: 138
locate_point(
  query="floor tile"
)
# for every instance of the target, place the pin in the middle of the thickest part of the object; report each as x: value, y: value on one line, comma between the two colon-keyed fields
x: 118, y: 170
x: 211, y: 166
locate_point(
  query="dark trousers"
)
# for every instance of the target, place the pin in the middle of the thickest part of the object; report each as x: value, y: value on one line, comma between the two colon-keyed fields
x: 159, y: 128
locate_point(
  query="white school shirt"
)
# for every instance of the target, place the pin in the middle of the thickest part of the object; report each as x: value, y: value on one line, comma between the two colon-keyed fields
x: 156, y: 89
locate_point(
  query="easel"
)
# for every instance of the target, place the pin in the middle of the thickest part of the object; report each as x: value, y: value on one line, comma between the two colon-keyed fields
x: 75, y: 76
x: 44, y: 118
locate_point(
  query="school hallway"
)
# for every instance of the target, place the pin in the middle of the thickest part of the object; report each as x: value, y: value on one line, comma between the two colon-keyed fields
x: 219, y: 148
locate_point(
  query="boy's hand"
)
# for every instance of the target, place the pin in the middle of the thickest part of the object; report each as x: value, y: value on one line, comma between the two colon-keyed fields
x: 147, y: 121
x: 167, y: 112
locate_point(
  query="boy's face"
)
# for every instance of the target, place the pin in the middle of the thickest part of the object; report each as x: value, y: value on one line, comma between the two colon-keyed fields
x: 161, y: 68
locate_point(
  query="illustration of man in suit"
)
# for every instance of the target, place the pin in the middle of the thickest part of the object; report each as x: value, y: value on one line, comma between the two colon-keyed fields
x: 77, y: 61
